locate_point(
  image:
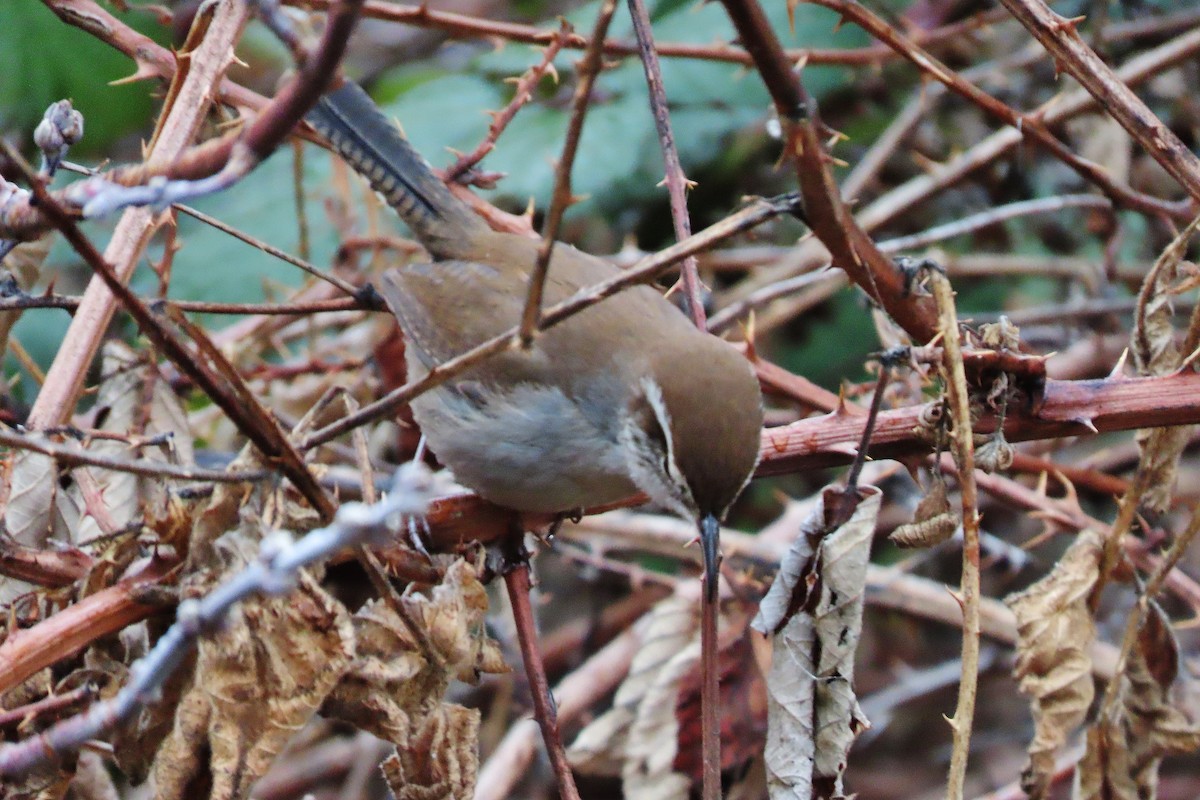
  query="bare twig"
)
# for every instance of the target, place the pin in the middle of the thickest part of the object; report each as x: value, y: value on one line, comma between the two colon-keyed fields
x: 589, y: 70
x: 138, y: 466
x: 522, y: 94
x: 677, y: 182
x: 517, y: 582
x: 964, y: 452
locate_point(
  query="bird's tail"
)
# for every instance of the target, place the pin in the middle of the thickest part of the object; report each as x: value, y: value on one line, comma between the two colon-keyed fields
x: 376, y: 149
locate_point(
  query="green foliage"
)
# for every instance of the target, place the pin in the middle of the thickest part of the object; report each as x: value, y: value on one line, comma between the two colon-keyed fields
x: 42, y: 60
x: 619, y: 160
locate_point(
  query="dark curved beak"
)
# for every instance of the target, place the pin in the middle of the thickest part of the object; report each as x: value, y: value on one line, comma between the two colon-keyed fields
x: 710, y: 546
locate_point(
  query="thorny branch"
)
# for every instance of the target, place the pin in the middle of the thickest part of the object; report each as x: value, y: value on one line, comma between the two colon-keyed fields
x: 561, y: 198
x: 1047, y: 409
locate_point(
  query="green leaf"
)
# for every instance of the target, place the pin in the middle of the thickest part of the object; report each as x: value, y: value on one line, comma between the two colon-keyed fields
x: 43, y: 60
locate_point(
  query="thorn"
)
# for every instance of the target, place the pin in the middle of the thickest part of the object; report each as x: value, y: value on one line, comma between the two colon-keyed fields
x: 748, y: 334
x: 843, y: 406
x: 140, y: 74
x: 1119, y: 368
x: 1069, y: 24
x: 1087, y: 423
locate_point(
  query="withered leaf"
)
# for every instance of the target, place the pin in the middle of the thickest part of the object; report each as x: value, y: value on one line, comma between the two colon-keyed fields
x: 1055, y: 633
x: 668, y: 629
x: 33, y: 483
x: 441, y: 760
x: 395, y: 687
x: 1125, y: 749
x: 933, y: 521
x: 256, y: 682
x: 812, y: 712
x: 1155, y: 353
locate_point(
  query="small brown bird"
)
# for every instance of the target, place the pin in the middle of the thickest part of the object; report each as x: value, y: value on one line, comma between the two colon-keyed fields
x: 627, y: 395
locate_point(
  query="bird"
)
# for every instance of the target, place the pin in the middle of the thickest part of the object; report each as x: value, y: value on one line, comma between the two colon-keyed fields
x: 625, y: 396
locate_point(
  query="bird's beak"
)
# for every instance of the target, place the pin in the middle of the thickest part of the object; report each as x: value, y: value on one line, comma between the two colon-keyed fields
x: 710, y: 546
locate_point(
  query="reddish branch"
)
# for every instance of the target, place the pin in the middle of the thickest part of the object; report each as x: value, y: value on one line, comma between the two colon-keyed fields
x: 517, y: 582
x: 849, y: 246
x: 62, y: 635
x: 522, y: 94
x: 1031, y: 126
x: 463, y: 26
x: 1072, y: 55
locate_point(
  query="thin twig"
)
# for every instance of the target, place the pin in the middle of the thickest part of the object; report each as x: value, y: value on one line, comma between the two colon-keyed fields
x: 517, y: 582
x: 72, y: 302
x: 964, y: 450
x: 522, y: 94
x: 147, y: 468
x: 589, y: 70
x: 253, y: 241
x: 677, y: 182
x: 468, y: 27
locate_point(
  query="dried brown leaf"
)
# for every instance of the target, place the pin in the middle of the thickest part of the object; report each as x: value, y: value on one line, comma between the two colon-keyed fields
x: 648, y: 772
x: 257, y: 681
x: 441, y: 760
x: 33, y: 484
x: 22, y: 266
x: 813, y: 610
x: 395, y: 686
x: 1147, y: 723
x: 1155, y: 353
x: 1055, y: 633
x: 933, y: 521
x: 668, y: 629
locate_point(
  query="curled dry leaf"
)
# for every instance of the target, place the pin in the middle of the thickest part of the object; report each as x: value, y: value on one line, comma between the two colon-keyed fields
x: 1155, y: 353
x: 441, y: 760
x: 667, y: 630
x: 1055, y: 633
x: 396, y: 684
x: 1125, y: 748
x: 256, y: 682
x: 813, y: 611
x: 933, y: 522
x: 652, y: 746
x: 33, y: 483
